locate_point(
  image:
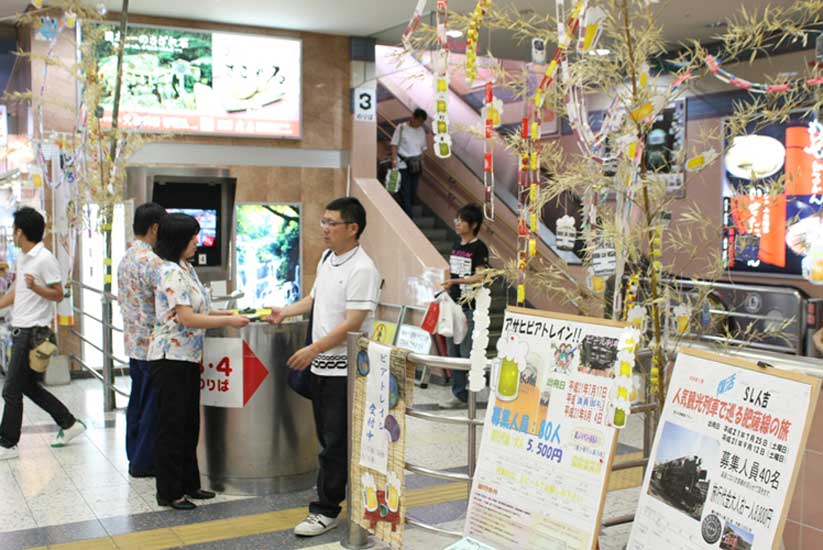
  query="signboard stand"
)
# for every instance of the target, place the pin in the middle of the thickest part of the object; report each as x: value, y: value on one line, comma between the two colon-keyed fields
x: 726, y: 456
x: 548, y: 442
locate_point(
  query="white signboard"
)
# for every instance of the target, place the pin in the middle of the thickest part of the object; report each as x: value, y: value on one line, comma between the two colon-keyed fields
x: 725, y: 456
x: 221, y: 374
x: 548, y: 443
x: 365, y: 104
x: 374, y: 449
x: 414, y: 339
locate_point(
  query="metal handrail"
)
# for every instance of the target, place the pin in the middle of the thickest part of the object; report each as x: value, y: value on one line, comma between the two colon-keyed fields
x: 93, y: 318
x: 98, y: 348
x: 98, y: 375
x: 441, y: 474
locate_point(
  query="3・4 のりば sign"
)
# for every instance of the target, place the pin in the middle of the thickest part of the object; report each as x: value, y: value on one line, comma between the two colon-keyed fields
x: 230, y: 373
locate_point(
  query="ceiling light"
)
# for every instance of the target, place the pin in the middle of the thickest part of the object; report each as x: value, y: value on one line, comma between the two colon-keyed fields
x: 454, y: 33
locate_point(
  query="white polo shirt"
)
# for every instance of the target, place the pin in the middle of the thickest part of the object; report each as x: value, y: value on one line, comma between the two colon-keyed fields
x: 30, y: 309
x: 347, y: 282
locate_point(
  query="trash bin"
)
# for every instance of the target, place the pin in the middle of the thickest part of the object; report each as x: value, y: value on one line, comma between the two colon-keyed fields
x: 268, y: 445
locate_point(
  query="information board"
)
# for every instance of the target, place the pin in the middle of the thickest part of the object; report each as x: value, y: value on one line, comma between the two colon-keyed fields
x: 547, y: 445
x: 725, y: 457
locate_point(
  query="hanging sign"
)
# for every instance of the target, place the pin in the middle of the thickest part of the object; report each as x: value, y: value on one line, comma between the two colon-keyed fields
x: 725, y: 457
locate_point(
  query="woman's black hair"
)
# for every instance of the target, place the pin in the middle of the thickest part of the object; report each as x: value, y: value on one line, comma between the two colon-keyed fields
x: 174, y: 235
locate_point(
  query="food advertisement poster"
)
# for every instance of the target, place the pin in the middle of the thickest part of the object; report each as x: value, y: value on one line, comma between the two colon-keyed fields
x: 548, y: 444
x: 201, y: 82
x: 725, y: 457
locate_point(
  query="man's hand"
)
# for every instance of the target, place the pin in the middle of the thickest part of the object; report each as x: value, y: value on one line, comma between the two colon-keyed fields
x: 276, y: 316
x: 302, y: 358
x: 29, y: 281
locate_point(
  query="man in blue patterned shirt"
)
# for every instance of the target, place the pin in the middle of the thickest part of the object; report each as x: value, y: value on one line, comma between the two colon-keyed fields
x: 136, y: 283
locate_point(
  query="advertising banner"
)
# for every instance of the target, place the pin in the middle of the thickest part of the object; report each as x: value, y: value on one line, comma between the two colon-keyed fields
x: 202, y: 82
x: 725, y: 457
x: 382, y: 390
x: 548, y: 441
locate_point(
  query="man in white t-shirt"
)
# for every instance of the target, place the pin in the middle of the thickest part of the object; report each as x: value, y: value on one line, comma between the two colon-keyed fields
x: 37, y: 287
x: 343, y: 300
x: 407, y: 147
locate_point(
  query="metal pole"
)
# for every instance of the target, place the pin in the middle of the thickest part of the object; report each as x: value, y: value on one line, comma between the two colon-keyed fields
x: 355, y: 537
x: 109, y: 403
x: 472, y: 439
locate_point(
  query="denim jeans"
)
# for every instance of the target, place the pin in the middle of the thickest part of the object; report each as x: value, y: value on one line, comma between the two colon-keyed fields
x: 20, y: 381
x: 460, y: 379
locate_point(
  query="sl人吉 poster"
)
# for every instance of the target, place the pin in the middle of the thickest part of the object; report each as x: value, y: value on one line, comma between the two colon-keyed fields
x: 548, y: 441
x: 725, y: 457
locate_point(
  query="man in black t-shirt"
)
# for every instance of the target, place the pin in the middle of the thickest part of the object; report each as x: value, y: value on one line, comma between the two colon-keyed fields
x: 468, y: 255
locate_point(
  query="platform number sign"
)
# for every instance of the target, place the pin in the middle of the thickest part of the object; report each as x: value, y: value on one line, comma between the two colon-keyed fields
x: 365, y: 104
x: 230, y: 373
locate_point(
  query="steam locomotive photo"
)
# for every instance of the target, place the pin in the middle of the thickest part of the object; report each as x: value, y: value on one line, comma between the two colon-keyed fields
x: 681, y: 483
x: 597, y: 355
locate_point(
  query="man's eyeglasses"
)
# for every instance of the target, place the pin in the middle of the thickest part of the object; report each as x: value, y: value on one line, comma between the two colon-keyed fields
x: 329, y: 223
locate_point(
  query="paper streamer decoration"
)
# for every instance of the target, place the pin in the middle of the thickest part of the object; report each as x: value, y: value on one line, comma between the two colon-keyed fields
x: 480, y: 340
x: 714, y: 66
x: 414, y: 22
x: 440, y: 64
x: 623, y: 367
x: 491, y: 115
x: 566, y: 232
x: 472, y: 35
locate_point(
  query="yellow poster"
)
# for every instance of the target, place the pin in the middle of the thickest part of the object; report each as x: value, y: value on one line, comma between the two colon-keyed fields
x: 384, y: 332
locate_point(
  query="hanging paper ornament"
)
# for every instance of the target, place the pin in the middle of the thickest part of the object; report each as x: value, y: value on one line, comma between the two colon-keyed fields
x: 440, y: 65
x: 70, y: 19
x: 591, y: 29
x: 566, y: 233
x: 637, y: 317
x: 472, y: 36
x: 682, y: 315
x: 604, y: 260
x: 37, y: 3
x: 626, y: 352
x: 701, y: 161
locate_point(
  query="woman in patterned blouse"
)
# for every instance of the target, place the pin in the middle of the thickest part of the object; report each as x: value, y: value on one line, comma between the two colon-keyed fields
x: 176, y: 351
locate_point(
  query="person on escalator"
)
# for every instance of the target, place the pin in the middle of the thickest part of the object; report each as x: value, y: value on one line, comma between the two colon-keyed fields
x: 468, y: 256
x: 407, y: 147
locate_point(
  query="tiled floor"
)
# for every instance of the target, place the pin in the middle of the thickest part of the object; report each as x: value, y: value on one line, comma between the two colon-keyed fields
x: 82, y: 494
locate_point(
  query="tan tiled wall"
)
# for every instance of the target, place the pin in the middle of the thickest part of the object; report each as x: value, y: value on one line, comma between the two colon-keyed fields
x: 804, y: 529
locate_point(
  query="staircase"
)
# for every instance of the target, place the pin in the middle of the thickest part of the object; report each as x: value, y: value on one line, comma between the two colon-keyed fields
x: 443, y: 237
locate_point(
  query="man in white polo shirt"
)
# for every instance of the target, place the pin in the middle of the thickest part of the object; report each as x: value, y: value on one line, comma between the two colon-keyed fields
x: 36, y: 288
x: 343, y: 300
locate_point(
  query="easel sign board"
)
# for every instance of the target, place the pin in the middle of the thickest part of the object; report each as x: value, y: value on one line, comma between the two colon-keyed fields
x: 547, y: 450
x: 725, y: 457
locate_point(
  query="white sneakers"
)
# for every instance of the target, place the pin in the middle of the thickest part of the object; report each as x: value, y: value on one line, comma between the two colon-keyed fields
x: 7, y: 453
x: 315, y: 524
x: 64, y: 436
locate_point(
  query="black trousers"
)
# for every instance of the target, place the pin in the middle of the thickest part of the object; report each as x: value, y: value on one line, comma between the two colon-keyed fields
x: 177, y: 387
x: 20, y: 381
x: 329, y: 397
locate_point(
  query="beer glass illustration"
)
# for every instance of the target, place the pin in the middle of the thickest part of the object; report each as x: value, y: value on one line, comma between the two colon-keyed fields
x: 369, y: 492
x: 506, y: 379
x: 393, y: 492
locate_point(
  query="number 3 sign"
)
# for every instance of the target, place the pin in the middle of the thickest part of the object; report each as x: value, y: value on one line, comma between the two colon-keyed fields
x: 365, y: 104
x: 230, y: 373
